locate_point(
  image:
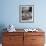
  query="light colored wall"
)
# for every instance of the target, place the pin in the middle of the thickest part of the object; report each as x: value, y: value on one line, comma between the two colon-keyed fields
x: 10, y: 13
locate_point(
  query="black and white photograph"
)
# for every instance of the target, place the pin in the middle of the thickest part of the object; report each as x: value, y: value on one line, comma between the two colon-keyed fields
x: 26, y: 13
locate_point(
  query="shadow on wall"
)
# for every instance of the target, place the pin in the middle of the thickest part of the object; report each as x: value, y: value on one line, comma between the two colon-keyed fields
x: 2, y: 26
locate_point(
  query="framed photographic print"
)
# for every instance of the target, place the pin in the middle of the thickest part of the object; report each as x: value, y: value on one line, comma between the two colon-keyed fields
x: 26, y: 13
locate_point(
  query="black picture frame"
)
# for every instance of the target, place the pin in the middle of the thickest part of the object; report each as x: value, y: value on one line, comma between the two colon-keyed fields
x: 26, y: 13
